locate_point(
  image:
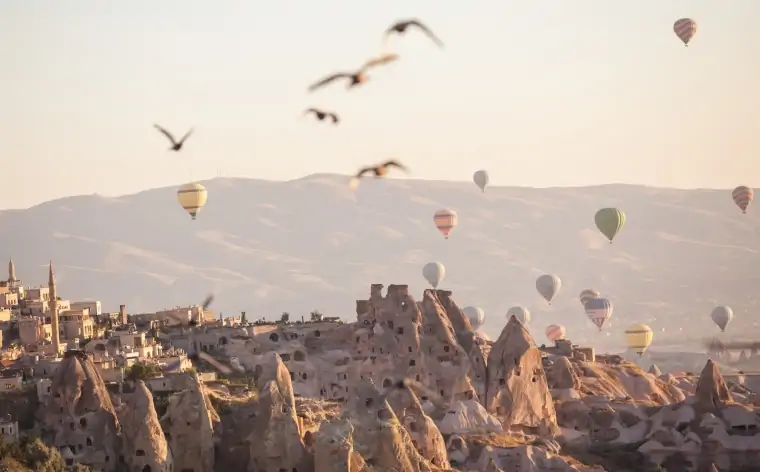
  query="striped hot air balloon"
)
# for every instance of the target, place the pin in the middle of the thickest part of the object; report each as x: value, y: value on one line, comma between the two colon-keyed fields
x: 588, y: 294
x: 445, y: 221
x: 192, y: 198
x: 598, y: 310
x: 743, y: 196
x: 685, y: 28
x: 555, y: 332
x: 639, y: 337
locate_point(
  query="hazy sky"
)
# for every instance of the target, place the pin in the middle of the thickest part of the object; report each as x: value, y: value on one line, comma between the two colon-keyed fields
x: 551, y: 92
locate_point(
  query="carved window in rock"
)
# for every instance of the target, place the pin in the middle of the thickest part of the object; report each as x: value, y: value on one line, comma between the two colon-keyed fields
x: 88, y: 441
x: 139, y: 453
x: 412, y: 362
x: 304, y: 376
x: 274, y: 337
x: 410, y: 349
x: 146, y: 468
x: 400, y: 330
x: 387, y: 383
x: 390, y: 324
x: 299, y: 356
x: 446, y: 348
x: 285, y: 357
x: 83, y: 422
x: 358, y: 339
x: 317, y: 334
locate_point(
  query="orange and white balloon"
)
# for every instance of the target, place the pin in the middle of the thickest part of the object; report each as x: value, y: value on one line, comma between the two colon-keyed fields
x: 555, y: 332
x: 743, y: 196
x: 445, y: 221
x: 685, y: 29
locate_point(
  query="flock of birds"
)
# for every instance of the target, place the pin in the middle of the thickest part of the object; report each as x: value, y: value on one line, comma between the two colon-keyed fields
x: 354, y: 78
x: 609, y: 221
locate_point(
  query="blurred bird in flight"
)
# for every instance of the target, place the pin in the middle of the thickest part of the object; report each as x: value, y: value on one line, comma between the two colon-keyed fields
x: 321, y: 115
x: 176, y: 145
x: 357, y: 77
x: 379, y: 171
x: 400, y: 28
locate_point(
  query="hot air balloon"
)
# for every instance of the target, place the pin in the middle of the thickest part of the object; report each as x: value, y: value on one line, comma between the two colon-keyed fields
x: 685, y: 28
x: 639, y: 337
x: 476, y: 316
x: 588, y: 294
x: 609, y: 221
x: 445, y: 221
x: 434, y: 272
x: 743, y: 196
x: 555, y: 332
x: 722, y: 315
x: 192, y: 197
x: 521, y: 313
x: 481, y: 179
x: 598, y: 310
x: 548, y: 285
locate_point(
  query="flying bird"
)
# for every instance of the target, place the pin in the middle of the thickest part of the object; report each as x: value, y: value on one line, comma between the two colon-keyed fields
x: 321, y: 115
x: 176, y: 145
x: 357, y: 77
x: 400, y: 27
x: 379, y: 171
x: 208, y: 301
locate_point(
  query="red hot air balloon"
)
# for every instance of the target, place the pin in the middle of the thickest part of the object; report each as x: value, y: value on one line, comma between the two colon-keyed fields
x: 445, y: 221
x: 685, y: 28
x: 743, y: 196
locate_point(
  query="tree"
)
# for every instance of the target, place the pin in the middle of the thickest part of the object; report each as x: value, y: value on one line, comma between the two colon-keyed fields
x: 31, y: 454
x: 285, y: 317
x: 316, y: 315
x: 242, y: 317
x: 143, y: 371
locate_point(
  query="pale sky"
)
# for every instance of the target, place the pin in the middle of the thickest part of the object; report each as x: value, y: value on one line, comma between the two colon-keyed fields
x: 542, y: 93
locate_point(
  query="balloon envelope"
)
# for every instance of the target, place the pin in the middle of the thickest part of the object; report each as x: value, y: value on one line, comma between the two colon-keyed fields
x: 192, y: 198
x: 721, y: 316
x: 743, y: 196
x: 598, y: 310
x: 685, y: 29
x: 555, y: 332
x: 639, y: 337
x: 445, y: 221
x: 476, y: 316
x: 548, y: 285
x: 609, y: 221
x: 588, y: 294
x: 520, y: 312
x: 481, y: 179
x: 434, y: 272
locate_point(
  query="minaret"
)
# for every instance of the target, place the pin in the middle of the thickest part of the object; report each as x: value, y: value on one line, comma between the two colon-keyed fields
x: 11, y: 271
x: 54, y: 309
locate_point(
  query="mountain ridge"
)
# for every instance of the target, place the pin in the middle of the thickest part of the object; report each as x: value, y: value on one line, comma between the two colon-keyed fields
x: 266, y: 247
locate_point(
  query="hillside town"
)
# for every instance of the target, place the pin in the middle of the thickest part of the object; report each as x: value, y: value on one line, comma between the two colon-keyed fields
x: 410, y: 385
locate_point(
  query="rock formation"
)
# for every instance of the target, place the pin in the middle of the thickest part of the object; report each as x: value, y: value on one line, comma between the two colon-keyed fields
x: 276, y: 441
x: 712, y: 390
x: 80, y: 418
x: 144, y: 441
x: 517, y: 389
x: 189, y: 425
